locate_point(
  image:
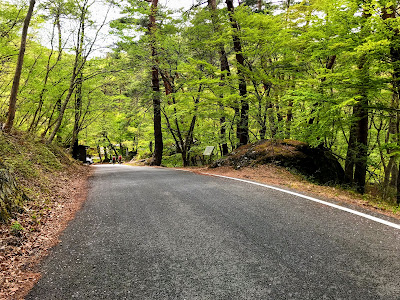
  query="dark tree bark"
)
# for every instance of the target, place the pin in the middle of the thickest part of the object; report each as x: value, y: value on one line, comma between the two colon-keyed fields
x: 78, y: 110
x: 398, y: 188
x: 243, y: 125
x: 155, y: 80
x: 357, y: 151
x: 183, y: 142
x: 329, y: 66
x: 15, y: 87
x: 99, y: 152
x: 358, y: 139
x: 110, y: 145
x: 351, y: 153
x: 391, y: 169
x: 223, y: 58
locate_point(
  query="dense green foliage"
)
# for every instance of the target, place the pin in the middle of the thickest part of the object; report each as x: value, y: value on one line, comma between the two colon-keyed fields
x: 322, y: 72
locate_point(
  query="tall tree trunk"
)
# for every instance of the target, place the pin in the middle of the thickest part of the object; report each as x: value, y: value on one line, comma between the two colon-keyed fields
x: 243, y: 125
x: 393, y: 130
x: 99, y: 152
x: 78, y: 109
x: 259, y: 5
x: 17, y: 76
x: 357, y: 151
x: 351, y: 153
x: 158, y: 140
x: 398, y: 188
x: 223, y: 58
x: 289, y: 119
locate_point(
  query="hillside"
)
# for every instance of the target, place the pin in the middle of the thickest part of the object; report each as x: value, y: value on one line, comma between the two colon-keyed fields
x: 41, y: 188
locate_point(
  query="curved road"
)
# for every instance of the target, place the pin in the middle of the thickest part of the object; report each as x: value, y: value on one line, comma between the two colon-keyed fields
x: 153, y: 233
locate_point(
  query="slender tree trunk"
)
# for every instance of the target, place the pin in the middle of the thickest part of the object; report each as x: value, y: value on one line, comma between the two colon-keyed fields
x: 78, y: 109
x: 111, y: 145
x: 289, y: 119
x: 360, y: 169
x: 106, y: 156
x: 392, y: 137
x: 398, y: 188
x: 14, y: 90
x: 224, y: 68
x: 37, y: 116
x: 183, y: 144
x: 99, y: 152
x: 158, y: 140
x: 351, y: 152
x: 63, y: 106
x: 77, y: 69
x: 243, y: 125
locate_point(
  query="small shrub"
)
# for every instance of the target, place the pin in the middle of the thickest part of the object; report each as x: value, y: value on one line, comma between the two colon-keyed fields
x: 16, y: 228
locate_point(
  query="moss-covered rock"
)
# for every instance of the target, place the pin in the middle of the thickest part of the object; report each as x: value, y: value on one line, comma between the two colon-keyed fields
x: 319, y: 163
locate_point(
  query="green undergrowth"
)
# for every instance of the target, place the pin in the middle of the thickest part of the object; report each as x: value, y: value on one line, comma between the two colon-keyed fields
x: 172, y: 161
x: 30, y: 169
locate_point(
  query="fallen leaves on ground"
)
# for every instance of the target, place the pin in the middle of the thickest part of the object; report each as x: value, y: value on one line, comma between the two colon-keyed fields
x: 42, y: 221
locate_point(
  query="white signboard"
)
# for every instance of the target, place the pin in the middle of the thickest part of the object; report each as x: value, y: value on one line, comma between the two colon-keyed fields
x: 209, y: 150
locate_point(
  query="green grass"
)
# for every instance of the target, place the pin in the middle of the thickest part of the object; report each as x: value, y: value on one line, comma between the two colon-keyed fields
x: 172, y: 161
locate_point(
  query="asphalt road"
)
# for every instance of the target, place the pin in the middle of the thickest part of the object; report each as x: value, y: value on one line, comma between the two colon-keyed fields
x: 153, y: 233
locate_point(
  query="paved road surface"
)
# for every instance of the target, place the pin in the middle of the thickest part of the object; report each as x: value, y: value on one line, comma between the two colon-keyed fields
x: 152, y: 233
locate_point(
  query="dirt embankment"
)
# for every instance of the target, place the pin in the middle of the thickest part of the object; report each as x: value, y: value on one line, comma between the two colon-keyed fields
x: 44, y: 188
x: 297, y: 166
x: 318, y: 164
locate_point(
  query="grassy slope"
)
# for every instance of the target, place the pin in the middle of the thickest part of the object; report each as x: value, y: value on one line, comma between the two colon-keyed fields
x: 33, y: 165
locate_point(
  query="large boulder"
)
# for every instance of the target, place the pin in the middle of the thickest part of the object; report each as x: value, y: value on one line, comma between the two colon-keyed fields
x: 318, y: 164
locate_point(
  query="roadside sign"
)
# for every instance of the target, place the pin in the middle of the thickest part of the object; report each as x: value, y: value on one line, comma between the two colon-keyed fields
x: 208, y: 151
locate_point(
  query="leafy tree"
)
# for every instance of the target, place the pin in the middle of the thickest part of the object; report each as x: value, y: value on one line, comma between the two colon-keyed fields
x: 17, y: 76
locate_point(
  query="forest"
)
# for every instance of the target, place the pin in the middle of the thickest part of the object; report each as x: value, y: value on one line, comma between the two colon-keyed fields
x: 220, y: 73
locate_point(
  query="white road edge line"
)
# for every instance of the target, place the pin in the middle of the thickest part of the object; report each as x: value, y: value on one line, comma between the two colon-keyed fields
x: 394, y: 225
